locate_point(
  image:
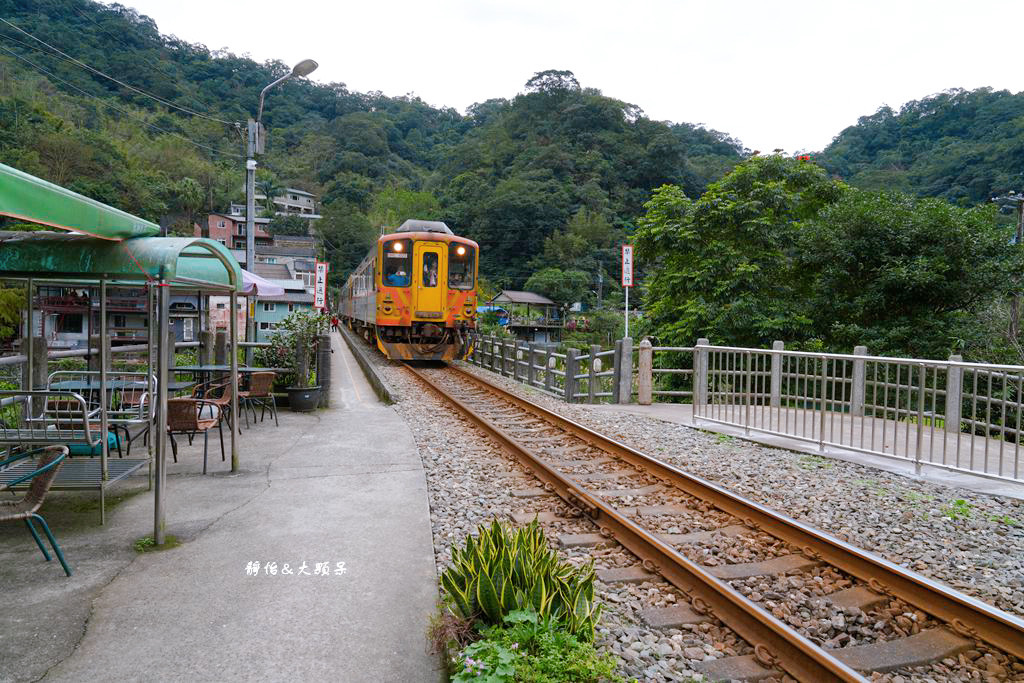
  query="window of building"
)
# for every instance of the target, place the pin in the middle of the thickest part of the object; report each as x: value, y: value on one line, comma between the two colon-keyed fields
x: 268, y: 326
x: 70, y: 323
x: 397, y: 263
x: 120, y: 321
x: 460, y: 266
x: 220, y: 224
x: 291, y: 307
x: 224, y: 242
x: 269, y: 307
x: 222, y: 306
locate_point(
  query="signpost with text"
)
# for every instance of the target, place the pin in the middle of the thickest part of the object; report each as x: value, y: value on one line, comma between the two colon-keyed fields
x: 320, y: 286
x: 627, y: 277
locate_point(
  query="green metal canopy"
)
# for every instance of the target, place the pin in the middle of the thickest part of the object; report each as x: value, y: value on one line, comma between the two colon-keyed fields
x: 35, y: 200
x: 182, y: 261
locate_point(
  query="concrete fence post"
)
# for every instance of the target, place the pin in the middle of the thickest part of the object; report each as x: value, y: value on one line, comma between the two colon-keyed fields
x: 323, y: 368
x: 777, y: 361
x: 206, y: 347
x: 220, y: 348
x: 531, y: 368
x: 624, y: 374
x: 507, y: 348
x: 592, y: 370
x: 40, y: 370
x: 570, y: 374
x: 616, y: 369
x: 549, y: 367
x: 859, y: 385
x: 93, y: 359
x: 700, y: 375
x: 171, y: 360
x: 954, y: 394
x: 644, y: 373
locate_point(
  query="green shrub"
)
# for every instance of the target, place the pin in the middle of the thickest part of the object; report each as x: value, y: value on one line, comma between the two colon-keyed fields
x: 504, y: 570
x: 529, y: 649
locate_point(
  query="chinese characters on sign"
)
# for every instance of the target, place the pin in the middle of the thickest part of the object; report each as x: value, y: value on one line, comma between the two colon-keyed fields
x: 320, y: 286
x: 627, y: 265
x: 255, y: 568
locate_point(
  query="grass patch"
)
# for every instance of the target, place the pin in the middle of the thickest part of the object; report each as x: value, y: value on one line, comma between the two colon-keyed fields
x: 147, y: 544
x: 723, y: 438
x: 914, y: 497
x: 814, y: 462
x: 92, y: 504
x: 1004, y: 519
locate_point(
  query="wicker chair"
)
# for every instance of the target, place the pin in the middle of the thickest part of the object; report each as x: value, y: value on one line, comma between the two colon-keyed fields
x: 259, y: 394
x: 184, y: 417
x: 41, y: 477
x: 218, y: 393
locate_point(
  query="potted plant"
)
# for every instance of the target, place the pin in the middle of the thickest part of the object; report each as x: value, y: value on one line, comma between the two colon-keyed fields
x: 298, y: 333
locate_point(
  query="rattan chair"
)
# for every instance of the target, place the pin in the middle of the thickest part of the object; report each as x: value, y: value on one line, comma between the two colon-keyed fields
x: 259, y: 394
x: 184, y: 417
x: 218, y: 393
x: 41, y: 478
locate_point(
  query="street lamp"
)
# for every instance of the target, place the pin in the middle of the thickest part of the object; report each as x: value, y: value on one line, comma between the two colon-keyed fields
x: 254, y: 146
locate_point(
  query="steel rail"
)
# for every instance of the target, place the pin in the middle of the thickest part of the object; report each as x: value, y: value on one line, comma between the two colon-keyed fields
x: 967, y: 616
x: 774, y: 643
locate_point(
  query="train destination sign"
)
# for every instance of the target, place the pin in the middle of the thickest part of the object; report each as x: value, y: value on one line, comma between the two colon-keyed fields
x: 320, y: 286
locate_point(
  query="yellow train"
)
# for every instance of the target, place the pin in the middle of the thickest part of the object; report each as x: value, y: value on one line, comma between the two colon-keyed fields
x: 415, y: 293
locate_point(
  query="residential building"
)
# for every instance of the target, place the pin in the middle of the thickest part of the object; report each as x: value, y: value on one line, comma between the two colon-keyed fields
x: 271, y: 310
x: 230, y: 229
x: 293, y: 202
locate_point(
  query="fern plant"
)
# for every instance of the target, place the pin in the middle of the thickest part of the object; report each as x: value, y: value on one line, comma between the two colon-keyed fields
x: 504, y: 570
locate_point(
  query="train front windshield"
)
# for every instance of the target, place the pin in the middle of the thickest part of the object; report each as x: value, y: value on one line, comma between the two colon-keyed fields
x: 460, y: 266
x: 397, y: 263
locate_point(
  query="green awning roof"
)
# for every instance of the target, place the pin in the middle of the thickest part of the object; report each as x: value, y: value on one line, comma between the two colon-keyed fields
x: 181, y: 261
x: 35, y: 200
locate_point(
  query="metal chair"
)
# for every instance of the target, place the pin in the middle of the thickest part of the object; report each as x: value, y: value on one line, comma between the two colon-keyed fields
x: 183, y: 417
x: 259, y: 394
x: 41, y: 477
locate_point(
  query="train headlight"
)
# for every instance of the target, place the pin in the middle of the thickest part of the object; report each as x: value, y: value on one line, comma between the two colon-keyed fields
x: 396, y: 246
x: 460, y: 250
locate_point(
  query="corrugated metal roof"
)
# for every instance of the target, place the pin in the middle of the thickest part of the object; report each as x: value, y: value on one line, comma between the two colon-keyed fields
x: 290, y: 297
x: 272, y: 271
x: 516, y: 297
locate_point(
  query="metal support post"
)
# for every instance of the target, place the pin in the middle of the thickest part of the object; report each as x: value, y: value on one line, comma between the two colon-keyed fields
x: 233, y: 362
x: 700, y: 376
x: 104, y: 353
x: 163, y: 313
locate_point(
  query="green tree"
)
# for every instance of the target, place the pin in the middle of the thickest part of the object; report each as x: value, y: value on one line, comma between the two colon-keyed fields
x: 904, y: 275
x: 188, y: 200
x: 347, y: 237
x: 724, y: 266
x: 12, y: 302
x: 392, y: 206
x: 564, y: 287
x: 288, y: 225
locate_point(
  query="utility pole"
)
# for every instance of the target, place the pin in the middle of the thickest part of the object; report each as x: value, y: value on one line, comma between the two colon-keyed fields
x: 253, y: 142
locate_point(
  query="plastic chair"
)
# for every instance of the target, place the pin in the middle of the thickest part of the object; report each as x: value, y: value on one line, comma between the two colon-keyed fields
x: 259, y: 394
x: 25, y: 509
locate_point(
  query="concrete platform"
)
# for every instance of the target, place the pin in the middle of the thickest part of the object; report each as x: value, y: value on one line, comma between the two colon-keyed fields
x: 344, y: 485
x: 680, y: 413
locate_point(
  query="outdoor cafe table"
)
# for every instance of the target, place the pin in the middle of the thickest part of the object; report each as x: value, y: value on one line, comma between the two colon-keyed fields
x: 93, y: 384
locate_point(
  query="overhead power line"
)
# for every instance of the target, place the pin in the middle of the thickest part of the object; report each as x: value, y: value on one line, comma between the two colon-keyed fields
x: 127, y: 113
x: 119, y: 82
x: 110, y: 35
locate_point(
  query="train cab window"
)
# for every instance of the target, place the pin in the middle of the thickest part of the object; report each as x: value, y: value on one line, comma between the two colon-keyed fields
x: 396, y: 263
x: 430, y: 269
x: 460, y: 266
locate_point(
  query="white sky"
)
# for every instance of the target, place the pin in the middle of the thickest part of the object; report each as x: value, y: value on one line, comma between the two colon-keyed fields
x: 782, y: 73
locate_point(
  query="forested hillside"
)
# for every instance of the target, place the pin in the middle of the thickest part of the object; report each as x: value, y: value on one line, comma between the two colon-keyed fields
x: 510, y: 173
x: 961, y: 145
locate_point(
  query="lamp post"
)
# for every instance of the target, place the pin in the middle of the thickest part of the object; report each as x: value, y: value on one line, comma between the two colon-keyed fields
x: 254, y: 145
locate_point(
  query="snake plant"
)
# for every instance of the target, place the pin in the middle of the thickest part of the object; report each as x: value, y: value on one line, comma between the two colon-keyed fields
x: 503, y: 570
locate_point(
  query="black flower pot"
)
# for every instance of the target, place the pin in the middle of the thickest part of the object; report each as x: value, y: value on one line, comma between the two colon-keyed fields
x: 303, y: 399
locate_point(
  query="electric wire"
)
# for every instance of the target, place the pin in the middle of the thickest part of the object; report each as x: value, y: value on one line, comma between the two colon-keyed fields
x: 53, y: 76
x: 121, y: 83
x: 110, y: 35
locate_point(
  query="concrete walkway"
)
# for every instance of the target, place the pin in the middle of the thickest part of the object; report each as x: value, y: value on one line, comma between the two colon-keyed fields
x: 344, y: 485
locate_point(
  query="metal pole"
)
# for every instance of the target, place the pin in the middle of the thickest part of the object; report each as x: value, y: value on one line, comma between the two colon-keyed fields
x: 250, y: 225
x: 627, y: 313
x: 31, y: 330
x: 233, y: 352
x: 103, y: 384
x: 163, y: 313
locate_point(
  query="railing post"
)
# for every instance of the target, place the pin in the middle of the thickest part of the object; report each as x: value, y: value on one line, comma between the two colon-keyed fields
x: 624, y: 372
x: 644, y: 373
x: 97, y: 353
x: 323, y: 368
x: 570, y: 374
x: 595, y: 365
x: 206, y: 347
x: 616, y: 369
x: 40, y: 370
x: 494, y: 355
x: 700, y: 376
x: 505, y: 347
x: 922, y: 379
x: 777, y: 362
x: 516, y: 350
x: 549, y: 366
x: 954, y: 394
x: 821, y: 419
x: 220, y: 348
x: 531, y: 369
x: 857, y: 391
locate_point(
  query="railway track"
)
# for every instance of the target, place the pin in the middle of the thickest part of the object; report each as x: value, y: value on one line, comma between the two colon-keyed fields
x: 642, y: 504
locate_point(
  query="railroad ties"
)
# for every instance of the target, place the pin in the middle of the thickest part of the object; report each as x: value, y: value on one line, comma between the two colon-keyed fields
x: 731, y: 560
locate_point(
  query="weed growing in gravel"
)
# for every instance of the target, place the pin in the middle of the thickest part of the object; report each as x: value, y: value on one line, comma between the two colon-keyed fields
x: 146, y: 544
x: 958, y: 509
x: 872, y: 485
x: 1004, y: 519
x: 723, y: 438
x: 915, y: 497
x: 814, y: 462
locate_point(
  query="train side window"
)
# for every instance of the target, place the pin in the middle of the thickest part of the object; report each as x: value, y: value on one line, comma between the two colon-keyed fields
x: 396, y: 263
x: 460, y: 266
x: 430, y: 269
